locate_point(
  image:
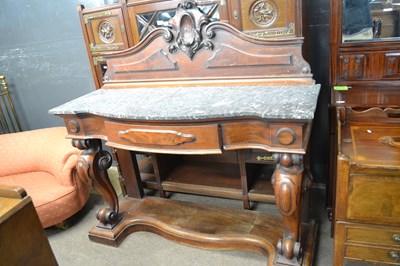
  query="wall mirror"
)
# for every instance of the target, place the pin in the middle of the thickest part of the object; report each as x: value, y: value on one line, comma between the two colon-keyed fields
x: 370, y: 20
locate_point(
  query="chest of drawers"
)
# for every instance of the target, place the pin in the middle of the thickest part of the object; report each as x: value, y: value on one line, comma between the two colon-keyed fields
x: 367, y: 217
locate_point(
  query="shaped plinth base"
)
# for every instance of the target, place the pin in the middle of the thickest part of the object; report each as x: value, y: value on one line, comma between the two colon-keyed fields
x: 197, y: 225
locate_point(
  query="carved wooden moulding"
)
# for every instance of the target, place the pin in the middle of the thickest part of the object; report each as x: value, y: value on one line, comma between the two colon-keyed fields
x: 188, y: 23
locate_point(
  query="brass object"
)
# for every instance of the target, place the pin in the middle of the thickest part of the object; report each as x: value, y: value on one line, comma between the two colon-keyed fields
x: 394, y: 255
x: 9, y: 121
x: 89, y: 17
x: 396, y: 237
x: 97, y: 60
x: 99, y: 48
x: 203, y: 2
x: 265, y: 158
x: 236, y: 14
x: 290, y: 30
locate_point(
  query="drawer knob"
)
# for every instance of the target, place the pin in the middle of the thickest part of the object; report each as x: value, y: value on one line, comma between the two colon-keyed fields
x: 394, y: 255
x: 396, y: 237
x: 285, y: 136
x: 73, y: 126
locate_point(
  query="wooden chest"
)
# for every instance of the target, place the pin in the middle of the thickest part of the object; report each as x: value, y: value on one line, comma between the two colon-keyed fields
x: 22, y: 238
x: 367, y: 218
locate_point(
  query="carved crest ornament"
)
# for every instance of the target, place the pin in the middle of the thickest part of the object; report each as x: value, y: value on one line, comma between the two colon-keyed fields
x: 106, y: 31
x: 186, y: 29
x: 263, y: 13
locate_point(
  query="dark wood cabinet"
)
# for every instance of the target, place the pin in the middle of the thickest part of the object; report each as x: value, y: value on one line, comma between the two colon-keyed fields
x: 365, y: 97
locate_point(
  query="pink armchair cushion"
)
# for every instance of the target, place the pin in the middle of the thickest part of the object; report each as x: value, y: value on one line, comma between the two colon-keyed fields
x: 43, y: 162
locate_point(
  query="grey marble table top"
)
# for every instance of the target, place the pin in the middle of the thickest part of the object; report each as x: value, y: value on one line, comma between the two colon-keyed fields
x: 196, y: 103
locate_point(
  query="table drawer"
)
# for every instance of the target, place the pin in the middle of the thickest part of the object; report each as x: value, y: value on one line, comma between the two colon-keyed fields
x: 375, y: 235
x: 239, y: 135
x: 199, y: 139
x: 372, y: 254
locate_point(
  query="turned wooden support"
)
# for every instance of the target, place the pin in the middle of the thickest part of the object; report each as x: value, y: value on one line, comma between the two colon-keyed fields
x: 287, y: 182
x: 92, y: 169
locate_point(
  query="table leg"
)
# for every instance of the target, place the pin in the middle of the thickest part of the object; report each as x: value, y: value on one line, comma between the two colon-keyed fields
x: 92, y: 168
x: 287, y: 182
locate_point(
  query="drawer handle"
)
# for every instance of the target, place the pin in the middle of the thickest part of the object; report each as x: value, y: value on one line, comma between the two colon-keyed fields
x: 396, y: 237
x: 156, y: 137
x: 394, y: 255
x: 393, y: 142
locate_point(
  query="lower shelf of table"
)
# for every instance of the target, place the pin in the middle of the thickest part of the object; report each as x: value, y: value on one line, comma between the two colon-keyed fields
x: 211, y: 179
x: 203, y: 226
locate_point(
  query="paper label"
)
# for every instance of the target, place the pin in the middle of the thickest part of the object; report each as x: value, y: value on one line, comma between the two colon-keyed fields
x: 341, y: 88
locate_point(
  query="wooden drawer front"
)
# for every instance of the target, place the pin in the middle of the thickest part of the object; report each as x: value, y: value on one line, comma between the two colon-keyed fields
x: 374, y: 199
x: 261, y: 134
x: 164, y: 139
x: 392, y: 65
x: 244, y: 135
x: 372, y: 254
x: 373, y: 235
x: 352, y: 66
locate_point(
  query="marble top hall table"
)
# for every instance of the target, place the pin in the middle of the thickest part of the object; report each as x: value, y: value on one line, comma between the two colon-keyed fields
x: 178, y: 98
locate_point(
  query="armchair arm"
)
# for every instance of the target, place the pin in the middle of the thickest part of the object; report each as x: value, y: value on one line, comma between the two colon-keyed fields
x: 44, y: 150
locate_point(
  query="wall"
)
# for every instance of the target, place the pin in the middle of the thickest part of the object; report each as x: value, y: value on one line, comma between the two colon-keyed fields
x: 43, y: 56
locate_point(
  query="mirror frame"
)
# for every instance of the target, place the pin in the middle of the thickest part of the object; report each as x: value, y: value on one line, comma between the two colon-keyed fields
x: 338, y: 5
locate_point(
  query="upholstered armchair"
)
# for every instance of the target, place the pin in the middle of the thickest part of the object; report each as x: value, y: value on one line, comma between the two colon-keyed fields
x: 43, y: 163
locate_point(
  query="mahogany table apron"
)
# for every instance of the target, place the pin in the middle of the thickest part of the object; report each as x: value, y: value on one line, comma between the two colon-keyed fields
x: 175, y: 121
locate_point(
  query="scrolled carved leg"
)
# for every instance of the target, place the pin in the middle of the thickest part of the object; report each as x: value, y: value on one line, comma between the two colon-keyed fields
x: 287, y: 182
x: 92, y: 169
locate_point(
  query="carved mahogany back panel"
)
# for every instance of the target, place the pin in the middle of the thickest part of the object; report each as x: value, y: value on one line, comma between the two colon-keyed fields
x: 192, y: 50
